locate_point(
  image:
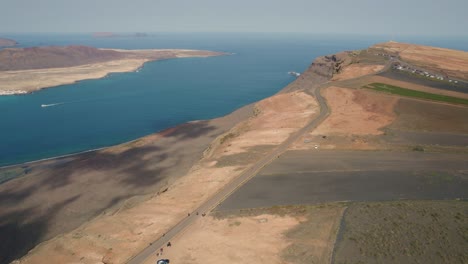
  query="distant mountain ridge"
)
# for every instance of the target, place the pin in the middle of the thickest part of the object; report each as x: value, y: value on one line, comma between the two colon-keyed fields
x: 113, y: 35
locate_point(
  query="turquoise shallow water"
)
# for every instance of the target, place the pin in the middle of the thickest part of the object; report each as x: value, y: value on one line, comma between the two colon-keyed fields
x: 121, y: 107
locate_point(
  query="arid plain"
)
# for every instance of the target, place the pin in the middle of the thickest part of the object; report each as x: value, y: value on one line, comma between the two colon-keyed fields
x: 383, y: 153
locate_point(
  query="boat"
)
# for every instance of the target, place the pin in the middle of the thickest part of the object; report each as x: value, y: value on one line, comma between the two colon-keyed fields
x: 295, y: 74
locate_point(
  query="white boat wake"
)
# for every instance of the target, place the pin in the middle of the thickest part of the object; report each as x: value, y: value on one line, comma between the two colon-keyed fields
x: 49, y: 105
x: 77, y: 101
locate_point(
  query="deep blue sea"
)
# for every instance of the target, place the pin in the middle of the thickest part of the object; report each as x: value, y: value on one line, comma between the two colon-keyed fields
x: 121, y: 107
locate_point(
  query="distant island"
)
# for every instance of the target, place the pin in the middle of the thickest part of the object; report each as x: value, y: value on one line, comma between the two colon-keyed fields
x: 4, y: 42
x: 111, y: 35
x: 24, y: 70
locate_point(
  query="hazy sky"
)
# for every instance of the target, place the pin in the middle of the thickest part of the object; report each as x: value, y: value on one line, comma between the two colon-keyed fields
x: 400, y: 17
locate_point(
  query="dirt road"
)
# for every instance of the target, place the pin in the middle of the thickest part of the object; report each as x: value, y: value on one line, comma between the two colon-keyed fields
x: 234, y: 185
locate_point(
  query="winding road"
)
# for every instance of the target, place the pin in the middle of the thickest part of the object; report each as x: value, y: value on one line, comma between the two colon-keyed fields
x: 231, y: 187
x: 248, y: 174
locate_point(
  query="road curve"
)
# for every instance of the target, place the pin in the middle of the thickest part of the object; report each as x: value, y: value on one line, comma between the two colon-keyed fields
x: 231, y: 187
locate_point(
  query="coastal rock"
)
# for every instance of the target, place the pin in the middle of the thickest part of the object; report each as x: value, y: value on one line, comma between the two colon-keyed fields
x: 320, y: 71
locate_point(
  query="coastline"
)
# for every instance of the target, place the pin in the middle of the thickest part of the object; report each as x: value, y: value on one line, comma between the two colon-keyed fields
x: 75, y: 154
x: 313, y: 79
x: 144, y: 179
x: 172, y: 171
x: 60, y: 76
x: 20, y: 82
x: 103, y: 181
x: 142, y: 194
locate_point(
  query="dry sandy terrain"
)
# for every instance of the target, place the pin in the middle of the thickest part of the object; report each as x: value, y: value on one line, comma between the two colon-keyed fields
x: 314, y: 238
x: 276, y: 118
x: 354, y: 71
x: 452, y: 62
x: 26, y: 81
x: 297, y: 234
x: 117, y: 235
x: 255, y: 239
x: 356, y: 112
x: 357, y: 118
x: 49, y: 198
x: 128, y: 231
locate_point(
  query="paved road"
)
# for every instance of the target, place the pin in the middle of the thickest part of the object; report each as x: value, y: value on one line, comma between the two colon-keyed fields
x: 231, y: 187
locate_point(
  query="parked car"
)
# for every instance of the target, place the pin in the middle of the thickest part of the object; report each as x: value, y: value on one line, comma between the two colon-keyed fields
x: 163, y: 261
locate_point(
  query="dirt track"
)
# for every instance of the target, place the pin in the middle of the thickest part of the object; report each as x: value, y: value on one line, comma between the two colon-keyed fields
x: 241, y: 179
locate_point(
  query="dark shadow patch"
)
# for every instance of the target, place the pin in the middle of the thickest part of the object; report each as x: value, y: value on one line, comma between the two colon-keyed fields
x: 190, y: 130
x: 118, y: 177
x: 14, y: 197
x: 21, y: 232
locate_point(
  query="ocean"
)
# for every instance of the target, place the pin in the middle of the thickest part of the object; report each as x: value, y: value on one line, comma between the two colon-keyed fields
x: 93, y: 114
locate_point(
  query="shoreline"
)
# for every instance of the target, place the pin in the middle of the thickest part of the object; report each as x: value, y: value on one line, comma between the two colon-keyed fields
x: 58, y: 157
x: 23, y: 82
x: 161, y: 132
x: 24, y: 92
x: 131, y: 221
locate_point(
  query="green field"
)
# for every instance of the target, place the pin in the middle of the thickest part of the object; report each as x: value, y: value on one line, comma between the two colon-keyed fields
x: 416, y: 94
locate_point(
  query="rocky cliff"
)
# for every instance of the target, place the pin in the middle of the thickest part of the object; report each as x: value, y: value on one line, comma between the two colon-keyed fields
x: 320, y: 71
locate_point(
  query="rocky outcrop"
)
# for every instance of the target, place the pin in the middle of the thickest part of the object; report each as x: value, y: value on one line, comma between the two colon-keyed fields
x: 327, y: 66
x: 7, y: 42
x: 320, y: 71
